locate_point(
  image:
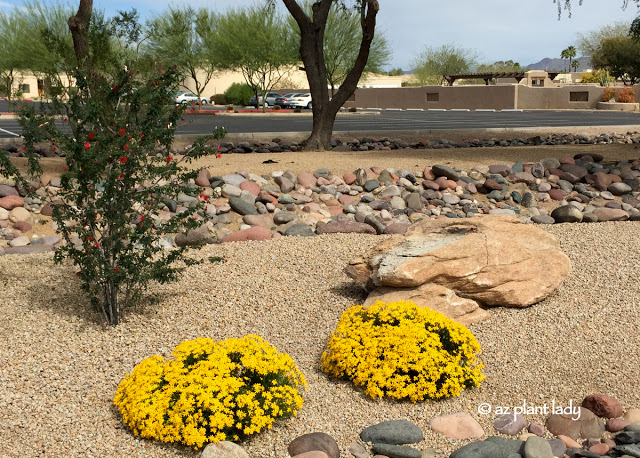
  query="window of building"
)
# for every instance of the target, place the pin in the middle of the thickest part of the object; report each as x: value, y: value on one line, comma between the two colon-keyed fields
x: 24, y: 88
x: 433, y: 96
x: 582, y: 96
x: 537, y: 82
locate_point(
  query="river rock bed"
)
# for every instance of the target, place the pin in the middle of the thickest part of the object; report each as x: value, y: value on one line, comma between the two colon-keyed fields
x: 246, y: 206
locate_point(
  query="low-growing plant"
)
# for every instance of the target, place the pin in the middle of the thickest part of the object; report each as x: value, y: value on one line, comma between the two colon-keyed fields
x: 277, y: 107
x: 219, y: 132
x: 297, y: 110
x: 353, y: 110
x: 238, y: 94
x: 608, y: 94
x: 230, y: 108
x: 626, y: 95
x: 117, y: 137
x: 400, y: 350
x: 210, y: 392
x: 219, y: 99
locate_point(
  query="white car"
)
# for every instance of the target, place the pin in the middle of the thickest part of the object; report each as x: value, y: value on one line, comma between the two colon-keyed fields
x: 189, y: 97
x: 300, y: 101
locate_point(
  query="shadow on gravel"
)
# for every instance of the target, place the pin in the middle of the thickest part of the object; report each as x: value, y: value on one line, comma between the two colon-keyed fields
x: 350, y: 291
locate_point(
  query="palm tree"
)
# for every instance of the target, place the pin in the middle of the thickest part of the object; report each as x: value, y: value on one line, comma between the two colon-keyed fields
x: 576, y: 64
x: 568, y: 53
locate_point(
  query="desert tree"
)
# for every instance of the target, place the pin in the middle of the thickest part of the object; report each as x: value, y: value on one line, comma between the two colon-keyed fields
x: 342, y: 43
x: 182, y: 37
x: 434, y: 63
x: 312, y: 28
x: 12, y: 31
x: 257, y: 42
x: 568, y: 53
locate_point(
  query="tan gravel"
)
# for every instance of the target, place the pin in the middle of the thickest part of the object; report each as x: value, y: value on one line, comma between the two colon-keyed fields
x: 60, y: 368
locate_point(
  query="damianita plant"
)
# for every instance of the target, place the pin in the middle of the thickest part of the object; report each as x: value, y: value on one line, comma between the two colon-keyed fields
x: 119, y: 173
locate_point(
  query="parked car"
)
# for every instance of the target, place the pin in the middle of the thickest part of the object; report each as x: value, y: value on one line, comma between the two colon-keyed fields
x: 271, y: 100
x: 301, y: 101
x: 189, y: 97
x: 285, y: 100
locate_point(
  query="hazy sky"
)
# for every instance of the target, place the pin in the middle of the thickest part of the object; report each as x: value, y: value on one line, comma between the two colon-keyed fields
x: 522, y: 30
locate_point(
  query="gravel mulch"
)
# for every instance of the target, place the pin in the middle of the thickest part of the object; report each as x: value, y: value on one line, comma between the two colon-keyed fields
x: 59, y: 368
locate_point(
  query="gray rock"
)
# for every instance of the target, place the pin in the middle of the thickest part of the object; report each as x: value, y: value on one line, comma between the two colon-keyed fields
x: 537, y: 447
x: 557, y: 447
x: 543, y: 219
x: 527, y: 200
x: 172, y: 205
x: 393, y: 432
x: 286, y: 185
x: 283, y: 217
x: 396, y: 451
x: 510, y: 424
x: 233, y: 179
x: 358, y: 451
x: 324, y: 173
x: 242, y: 207
x: 619, y: 189
x: 481, y: 449
x: 375, y: 223
x: 451, y: 199
x: 299, y: 229
x: 370, y: 185
x: 630, y: 449
x: 46, y: 240
x: 550, y: 163
x: 566, y: 214
x: 537, y: 170
x: 445, y: 171
x: 199, y: 236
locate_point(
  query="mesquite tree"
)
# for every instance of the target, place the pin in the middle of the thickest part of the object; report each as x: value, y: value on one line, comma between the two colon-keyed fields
x: 312, y: 33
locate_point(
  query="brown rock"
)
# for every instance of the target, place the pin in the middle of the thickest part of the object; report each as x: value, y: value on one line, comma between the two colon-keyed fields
x: 346, y: 199
x: 434, y: 297
x: 349, y: 178
x: 588, y: 425
x: 314, y: 442
x: 396, y: 228
x: 492, y: 185
x: 632, y: 416
x: 556, y: 194
x: 442, y: 182
x: 335, y: 210
x: 345, y: 227
x: 312, y: 454
x: 250, y: 186
x: 613, y: 425
x: 223, y: 449
x: 22, y: 226
x: 6, y: 190
x: 201, y: 235
x: 568, y: 441
x: 203, y: 178
x: 29, y: 249
x: 523, y: 177
x: 306, y: 179
x: 265, y: 221
x: 253, y: 233
x: 428, y: 174
x: 610, y: 214
x: 603, y: 405
x: 600, y: 449
x: 459, y: 425
x: 11, y: 202
x: 495, y: 260
x: 19, y: 214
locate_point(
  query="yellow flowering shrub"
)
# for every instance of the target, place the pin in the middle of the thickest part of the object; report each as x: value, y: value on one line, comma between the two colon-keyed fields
x: 210, y: 392
x: 400, y: 350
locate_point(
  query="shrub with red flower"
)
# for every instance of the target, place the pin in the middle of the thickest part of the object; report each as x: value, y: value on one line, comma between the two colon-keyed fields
x: 106, y: 200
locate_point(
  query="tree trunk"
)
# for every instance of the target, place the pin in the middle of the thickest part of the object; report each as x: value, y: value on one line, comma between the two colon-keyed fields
x: 312, y: 54
x: 79, y: 27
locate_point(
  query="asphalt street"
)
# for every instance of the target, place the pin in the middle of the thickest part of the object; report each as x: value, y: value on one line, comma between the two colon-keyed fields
x: 391, y: 121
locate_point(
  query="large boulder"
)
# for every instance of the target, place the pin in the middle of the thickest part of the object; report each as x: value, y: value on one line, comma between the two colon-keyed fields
x: 435, y: 297
x: 495, y: 260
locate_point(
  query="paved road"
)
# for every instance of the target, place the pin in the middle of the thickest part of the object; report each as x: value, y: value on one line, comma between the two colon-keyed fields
x: 395, y: 121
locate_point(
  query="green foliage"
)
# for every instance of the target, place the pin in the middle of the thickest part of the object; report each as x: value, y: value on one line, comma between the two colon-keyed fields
x: 341, y: 45
x: 219, y: 132
x: 568, y: 53
x: 219, y: 99
x: 238, y: 94
x: 183, y: 37
x: 601, y: 77
x: 589, y: 42
x: 257, y: 42
x: 210, y: 392
x: 501, y: 66
x: 620, y: 57
x: 395, y: 72
x: 431, y: 66
x: 353, y: 110
x: 112, y: 189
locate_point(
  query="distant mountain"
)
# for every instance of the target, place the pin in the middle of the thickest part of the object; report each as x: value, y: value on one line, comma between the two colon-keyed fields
x: 560, y: 64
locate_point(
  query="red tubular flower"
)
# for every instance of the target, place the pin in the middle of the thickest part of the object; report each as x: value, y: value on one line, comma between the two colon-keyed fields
x: 96, y: 244
x: 126, y: 147
x: 121, y: 176
x: 116, y: 269
x: 169, y: 158
x: 92, y: 135
x: 121, y: 131
x: 123, y: 159
x: 87, y: 145
x: 218, y: 155
x: 65, y: 169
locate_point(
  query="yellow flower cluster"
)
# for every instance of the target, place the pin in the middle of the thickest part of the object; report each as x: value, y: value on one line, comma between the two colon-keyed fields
x: 211, y: 391
x: 400, y: 350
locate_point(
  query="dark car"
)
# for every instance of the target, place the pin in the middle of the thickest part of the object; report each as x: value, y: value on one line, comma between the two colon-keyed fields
x: 271, y: 100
